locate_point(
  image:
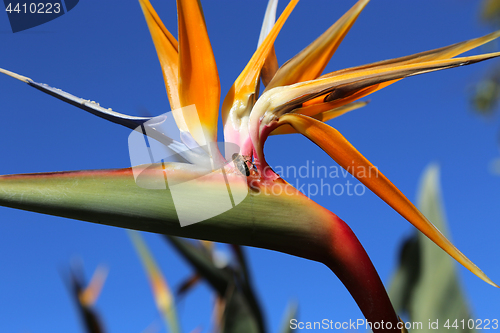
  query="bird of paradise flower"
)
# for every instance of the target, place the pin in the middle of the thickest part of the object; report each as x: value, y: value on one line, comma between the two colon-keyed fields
x: 297, y: 98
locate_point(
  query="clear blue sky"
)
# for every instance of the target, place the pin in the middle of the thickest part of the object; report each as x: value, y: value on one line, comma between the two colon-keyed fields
x: 102, y: 51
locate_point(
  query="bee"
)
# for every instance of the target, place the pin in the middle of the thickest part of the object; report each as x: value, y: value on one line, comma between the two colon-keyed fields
x: 241, y: 163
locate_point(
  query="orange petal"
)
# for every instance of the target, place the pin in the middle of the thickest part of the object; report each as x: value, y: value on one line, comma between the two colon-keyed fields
x: 269, y: 20
x: 166, y: 48
x: 89, y: 296
x: 310, y: 62
x: 320, y: 107
x: 446, y: 52
x: 239, y: 99
x: 323, y: 116
x: 198, y: 77
x: 343, y: 89
x: 269, y: 68
x: 347, y: 87
x: 339, y: 149
x: 337, y: 112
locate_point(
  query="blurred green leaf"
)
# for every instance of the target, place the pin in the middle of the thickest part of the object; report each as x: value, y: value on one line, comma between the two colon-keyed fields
x: 247, y: 286
x: 426, y: 285
x: 291, y: 313
x: 486, y: 95
x: 238, y: 316
x: 188, y: 285
x: 490, y: 11
x: 161, y: 292
x: 201, y: 261
x: 241, y: 311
